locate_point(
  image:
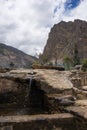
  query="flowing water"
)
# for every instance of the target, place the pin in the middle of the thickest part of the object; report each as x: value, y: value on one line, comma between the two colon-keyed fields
x: 30, y: 85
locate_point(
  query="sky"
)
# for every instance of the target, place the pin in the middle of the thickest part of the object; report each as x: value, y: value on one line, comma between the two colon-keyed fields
x: 25, y: 24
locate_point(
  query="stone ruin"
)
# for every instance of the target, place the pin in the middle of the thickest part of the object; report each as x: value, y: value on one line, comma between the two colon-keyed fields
x: 43, y: 100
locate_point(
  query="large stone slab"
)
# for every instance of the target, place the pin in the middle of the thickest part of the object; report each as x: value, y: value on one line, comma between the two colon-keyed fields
x: 51, y: 80
x: 78, y: 111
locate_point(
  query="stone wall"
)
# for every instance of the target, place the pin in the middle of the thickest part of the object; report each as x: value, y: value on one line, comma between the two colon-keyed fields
x: 13, y: 90
x: 79, y: 78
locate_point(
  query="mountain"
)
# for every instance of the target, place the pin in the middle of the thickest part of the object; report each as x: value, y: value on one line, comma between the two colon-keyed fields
x: 12, y: 57
x: 66, y: 39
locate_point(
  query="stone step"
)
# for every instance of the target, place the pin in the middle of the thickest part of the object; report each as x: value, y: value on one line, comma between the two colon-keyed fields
x: 30, y: 118
x: 38, y: 122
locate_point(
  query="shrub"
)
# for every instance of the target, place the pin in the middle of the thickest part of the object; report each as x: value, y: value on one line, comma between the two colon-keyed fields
x: 84, y: 65
x: 67, y: 62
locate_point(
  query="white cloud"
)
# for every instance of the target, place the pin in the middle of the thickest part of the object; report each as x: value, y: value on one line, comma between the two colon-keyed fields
x: 80, y: 11
x: 25, y: 24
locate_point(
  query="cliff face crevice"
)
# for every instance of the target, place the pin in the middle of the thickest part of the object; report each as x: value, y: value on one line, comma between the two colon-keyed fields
x: 62, y: 40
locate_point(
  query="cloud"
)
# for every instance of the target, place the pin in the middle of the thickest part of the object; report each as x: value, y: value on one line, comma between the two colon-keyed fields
x: 25, y: 24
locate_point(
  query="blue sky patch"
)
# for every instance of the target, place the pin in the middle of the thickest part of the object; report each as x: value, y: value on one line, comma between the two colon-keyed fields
x: 70, y: 4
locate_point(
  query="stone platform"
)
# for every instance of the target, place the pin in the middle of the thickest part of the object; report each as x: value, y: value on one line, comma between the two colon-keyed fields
x: 38, y: 122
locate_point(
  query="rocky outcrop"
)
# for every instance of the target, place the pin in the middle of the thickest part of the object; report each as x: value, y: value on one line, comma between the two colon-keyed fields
x: 11, y: 57
x: 64, y: 38
x: 52, y: 90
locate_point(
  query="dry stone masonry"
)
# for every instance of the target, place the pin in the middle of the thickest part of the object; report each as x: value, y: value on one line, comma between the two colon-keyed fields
x: 57, y: 100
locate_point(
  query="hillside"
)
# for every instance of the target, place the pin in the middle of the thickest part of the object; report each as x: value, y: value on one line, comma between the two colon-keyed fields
x: 12, y: 57
x: 64, y: 38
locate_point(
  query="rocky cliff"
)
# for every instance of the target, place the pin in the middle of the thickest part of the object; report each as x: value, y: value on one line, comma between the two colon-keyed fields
x: 64, y: 39
x: 12, y: 57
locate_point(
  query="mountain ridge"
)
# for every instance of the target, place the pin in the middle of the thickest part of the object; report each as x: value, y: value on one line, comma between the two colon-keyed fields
x: 10, y: 56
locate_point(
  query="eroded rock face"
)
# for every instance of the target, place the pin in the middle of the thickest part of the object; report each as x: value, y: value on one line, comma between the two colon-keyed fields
x: 62, y: 39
